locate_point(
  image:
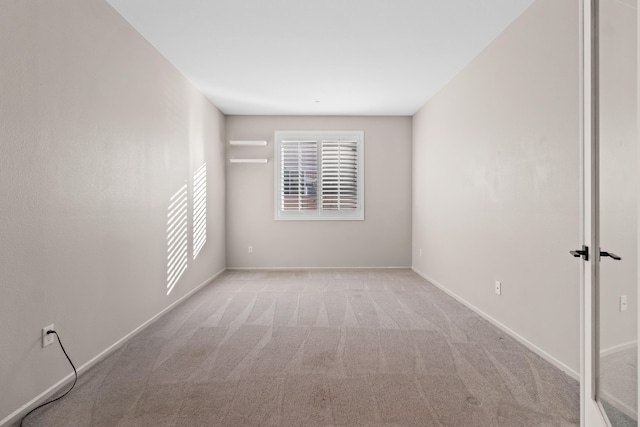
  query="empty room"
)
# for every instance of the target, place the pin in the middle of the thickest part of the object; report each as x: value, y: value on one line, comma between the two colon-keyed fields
x: 319, y: 213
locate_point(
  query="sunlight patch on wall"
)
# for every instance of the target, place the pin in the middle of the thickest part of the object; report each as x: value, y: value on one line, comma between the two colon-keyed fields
x: 199, y: 209
x: 176, y: 237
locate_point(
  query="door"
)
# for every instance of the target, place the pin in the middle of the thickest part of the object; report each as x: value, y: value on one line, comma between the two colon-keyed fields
x: 610, y: 332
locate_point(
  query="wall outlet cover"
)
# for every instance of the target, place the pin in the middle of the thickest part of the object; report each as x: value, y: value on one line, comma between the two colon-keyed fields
x: 623, y: 303
x: 47, y: 339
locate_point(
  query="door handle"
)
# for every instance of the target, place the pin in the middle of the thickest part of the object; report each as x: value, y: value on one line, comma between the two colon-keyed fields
x: 584, y: 253
x: 610, y: 255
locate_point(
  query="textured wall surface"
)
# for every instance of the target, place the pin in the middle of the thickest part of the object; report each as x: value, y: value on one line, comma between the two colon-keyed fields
x: 496, y: 184
x: 618, y: 173
x: 98, y: 132
x: 381, y: 240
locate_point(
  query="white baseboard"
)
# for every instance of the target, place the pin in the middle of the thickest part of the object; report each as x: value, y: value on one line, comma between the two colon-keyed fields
x: 319, y: 268
x: 619, y: 405
x: 540, y: 352
x: 618, y: 348
x: 16, y: 415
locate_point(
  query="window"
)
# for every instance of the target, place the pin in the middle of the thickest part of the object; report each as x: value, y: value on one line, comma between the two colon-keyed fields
x: 319, y: 175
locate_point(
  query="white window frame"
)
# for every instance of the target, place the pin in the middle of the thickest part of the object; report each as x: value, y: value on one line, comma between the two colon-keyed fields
x: 319, y: 213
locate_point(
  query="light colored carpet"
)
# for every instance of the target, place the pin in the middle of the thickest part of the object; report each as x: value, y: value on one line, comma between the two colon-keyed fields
x: 319, y: 348
x: 619, y: 382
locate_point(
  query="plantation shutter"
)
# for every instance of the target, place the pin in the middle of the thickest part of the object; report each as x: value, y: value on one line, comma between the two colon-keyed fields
x: 339, y: 166
x: 319, y: 175
x: 299, y: 175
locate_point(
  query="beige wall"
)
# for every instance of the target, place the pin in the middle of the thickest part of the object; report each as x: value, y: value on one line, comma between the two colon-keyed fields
x: 496, y: 182
x: 618, y: 174
x: 381, y: 240
x: 97, y: 132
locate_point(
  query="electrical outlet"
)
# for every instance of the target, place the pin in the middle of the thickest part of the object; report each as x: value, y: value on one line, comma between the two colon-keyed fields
x: 250, y: 249
x: 47, y: 339
x: 623, y: 303
x: 420, y: 251
x: 498, y: 287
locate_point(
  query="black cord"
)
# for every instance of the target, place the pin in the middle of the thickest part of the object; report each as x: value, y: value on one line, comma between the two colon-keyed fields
x: 67, y: 392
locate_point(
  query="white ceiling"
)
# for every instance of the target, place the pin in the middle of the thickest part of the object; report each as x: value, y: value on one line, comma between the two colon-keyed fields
x: 320, y: 57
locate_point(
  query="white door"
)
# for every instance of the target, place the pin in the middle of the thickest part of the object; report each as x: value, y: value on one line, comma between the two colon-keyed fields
x: 611, y: 216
